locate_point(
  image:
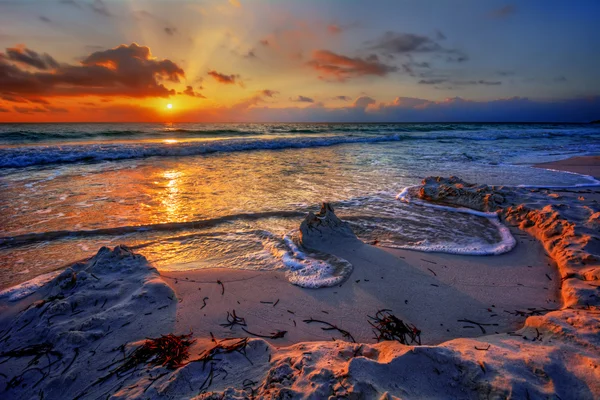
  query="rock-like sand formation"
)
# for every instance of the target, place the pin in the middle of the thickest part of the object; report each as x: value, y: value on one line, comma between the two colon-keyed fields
x: 93, y: 314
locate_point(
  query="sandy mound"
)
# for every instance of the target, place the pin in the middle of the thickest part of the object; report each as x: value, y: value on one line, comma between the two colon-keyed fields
x: 324, y: 228
x: 86, y: 317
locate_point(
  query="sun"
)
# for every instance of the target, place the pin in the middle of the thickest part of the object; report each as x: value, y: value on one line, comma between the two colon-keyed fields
x: 169, y: 106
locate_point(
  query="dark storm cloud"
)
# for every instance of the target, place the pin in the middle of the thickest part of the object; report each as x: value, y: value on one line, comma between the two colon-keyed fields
x: 129, y: 71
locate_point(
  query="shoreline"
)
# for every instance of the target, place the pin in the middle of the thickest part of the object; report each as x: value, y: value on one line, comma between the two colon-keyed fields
x: 541, y: 351
x: 584, y: 165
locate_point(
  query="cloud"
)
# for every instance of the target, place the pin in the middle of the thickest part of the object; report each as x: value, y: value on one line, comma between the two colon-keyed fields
x: 99, y: 7
x: 438, y: 81
x: 189, y: 91
x: 4, y: 110
x: 14, y: 99
x: 505, y: 73
x: 44, y: 19
x: 504, y: 12
x: 343, y: 98
x: 363, y: 102
x: 72, y: 3
x: 407, y: 109
x: 250, y: 102
x: 129, y: 71
x: 334, y: 29
x: 170, y: 31
x: 23, y: 55
x: 29, y: 110
x: 399, y: 43
x: 264, y: 42
x: 224, y: 78
x: 302, y: 99
x: 396, y: 42
x: 340, y: 67
x: 269, y: 93
x: 560, y: 79
x: 235, y: 3
x: 56, y: 109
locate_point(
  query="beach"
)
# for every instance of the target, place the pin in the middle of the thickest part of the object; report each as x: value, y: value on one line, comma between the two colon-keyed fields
x: 523, y: 323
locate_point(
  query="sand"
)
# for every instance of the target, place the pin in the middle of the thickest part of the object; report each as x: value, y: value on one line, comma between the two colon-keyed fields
x: 535, y: 354
x: 430, y: 290
x: 588, y: 165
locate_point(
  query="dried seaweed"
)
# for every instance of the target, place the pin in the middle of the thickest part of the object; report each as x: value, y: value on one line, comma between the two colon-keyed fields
x: 331, y: 327
x: 530, y: 312
x: 386, y: 326
x: 37, y: 351
x: 274, y: 335
x: 479, y: 324
x: 168, y: 351
x: 224, y: 346
x: 233, y: 320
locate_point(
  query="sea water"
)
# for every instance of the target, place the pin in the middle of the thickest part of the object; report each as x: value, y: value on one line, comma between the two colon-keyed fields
x: 191, y: 196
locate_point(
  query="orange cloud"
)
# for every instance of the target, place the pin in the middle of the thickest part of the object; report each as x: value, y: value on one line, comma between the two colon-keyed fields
x: 125, y: 71
x: 341, y: 67
x: 189, y: 91
x: 224, y: 78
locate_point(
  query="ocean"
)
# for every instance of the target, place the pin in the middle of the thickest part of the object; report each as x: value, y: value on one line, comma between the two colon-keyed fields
x: 190, y: 196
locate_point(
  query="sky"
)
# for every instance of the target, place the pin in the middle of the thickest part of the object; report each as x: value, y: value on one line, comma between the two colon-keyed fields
x: 296, y: 61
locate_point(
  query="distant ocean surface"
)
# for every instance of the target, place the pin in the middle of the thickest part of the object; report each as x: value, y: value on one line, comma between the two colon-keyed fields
x: 191, y: 196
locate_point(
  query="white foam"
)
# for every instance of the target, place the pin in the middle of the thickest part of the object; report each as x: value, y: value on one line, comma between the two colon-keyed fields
x: 309, y: 270
x: 25, y: 289
x: 593, y: 181
x: 506, y: 244
x: 405, y: 196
